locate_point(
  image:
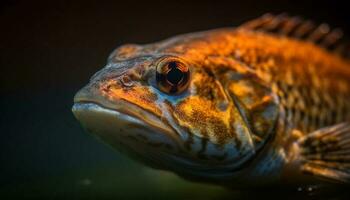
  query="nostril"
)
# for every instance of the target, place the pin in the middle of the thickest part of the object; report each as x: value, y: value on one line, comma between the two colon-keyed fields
x: 126, y: 81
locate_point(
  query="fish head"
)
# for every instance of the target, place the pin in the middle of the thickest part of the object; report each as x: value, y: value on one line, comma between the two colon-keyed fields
x: 164, y: 108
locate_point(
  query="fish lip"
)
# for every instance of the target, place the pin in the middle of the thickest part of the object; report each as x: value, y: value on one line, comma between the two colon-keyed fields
x: 155, y: 123
x: 90, y: 105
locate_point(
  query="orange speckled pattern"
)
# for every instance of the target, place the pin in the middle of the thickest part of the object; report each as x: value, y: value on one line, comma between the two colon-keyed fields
x: 249, y: 93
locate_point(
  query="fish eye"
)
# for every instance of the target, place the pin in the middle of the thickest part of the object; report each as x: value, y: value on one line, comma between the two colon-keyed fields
x: 172, y: 76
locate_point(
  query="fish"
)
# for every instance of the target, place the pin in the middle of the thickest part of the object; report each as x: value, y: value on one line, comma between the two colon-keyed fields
x: 261, y: 104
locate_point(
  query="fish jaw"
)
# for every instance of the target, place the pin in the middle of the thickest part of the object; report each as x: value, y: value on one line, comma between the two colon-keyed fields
x: 121, y: 131
x: 124, y: 132
x: 91, y: 96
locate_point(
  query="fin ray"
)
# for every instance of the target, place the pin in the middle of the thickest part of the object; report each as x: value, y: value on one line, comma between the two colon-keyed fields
x: 325, y: 152
x: 297, y: 28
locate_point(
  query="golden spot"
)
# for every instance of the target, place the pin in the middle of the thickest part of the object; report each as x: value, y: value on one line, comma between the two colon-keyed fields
x: 241, y: 91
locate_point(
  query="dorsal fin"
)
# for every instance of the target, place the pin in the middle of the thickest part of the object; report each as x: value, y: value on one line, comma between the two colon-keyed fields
x: 298, y: 28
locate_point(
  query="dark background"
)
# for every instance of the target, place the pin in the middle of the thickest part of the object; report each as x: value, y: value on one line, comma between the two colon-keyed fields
x: 49, y: 49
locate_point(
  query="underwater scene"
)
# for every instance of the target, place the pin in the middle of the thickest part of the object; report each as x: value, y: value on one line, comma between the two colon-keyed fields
x: 174, y: 100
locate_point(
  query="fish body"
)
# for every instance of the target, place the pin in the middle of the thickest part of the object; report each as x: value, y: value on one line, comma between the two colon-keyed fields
x: 249, y: 106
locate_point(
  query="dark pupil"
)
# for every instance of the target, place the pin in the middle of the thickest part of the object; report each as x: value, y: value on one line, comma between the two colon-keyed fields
x: 175, y: 75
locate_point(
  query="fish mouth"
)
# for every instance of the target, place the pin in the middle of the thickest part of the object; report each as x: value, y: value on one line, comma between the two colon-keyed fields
x: 113, y: 122
x: 124, y: 133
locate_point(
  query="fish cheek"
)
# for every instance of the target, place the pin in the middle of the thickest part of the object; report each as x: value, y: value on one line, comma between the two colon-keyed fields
x: 207, y: 111
x: 202, y: 118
